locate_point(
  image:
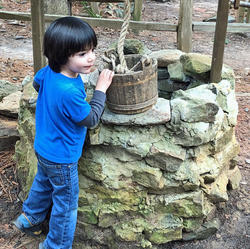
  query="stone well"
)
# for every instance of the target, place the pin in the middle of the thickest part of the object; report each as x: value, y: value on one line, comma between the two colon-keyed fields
x: 154, y: 177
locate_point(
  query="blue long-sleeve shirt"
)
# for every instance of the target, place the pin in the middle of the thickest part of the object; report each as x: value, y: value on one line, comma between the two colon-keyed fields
x: 63, y: 115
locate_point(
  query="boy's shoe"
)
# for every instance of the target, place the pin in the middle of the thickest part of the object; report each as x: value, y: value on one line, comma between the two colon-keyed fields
x: 41, y: 245
x: 24, y: 225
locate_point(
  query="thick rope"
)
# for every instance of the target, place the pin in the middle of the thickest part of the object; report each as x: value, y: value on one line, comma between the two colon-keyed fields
x: 120, y: 47
x: 111, y: 55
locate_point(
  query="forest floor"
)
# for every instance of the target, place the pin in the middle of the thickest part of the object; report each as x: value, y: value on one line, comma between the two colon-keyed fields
x: 16, y: 62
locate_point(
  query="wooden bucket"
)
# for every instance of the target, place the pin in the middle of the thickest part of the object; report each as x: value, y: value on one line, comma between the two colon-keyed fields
x: 134, y: 92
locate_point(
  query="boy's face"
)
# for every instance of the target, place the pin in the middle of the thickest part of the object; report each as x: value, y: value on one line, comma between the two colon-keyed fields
x: 80, y: 62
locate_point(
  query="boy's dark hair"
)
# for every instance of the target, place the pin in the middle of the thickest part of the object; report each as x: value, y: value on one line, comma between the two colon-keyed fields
x: 65, y: 37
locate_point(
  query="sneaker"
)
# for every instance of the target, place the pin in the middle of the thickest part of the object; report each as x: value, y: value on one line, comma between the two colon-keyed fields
x: 41, y: 246
x: 24, y: 225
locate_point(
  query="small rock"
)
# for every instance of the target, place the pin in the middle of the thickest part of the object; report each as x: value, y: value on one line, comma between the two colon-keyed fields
x: 7, y: 88
x: 231, y: 19
x: 244, y: 192
x: 222, y: 205
x: 162, y: 1
x: 243, y: 183
x: 19, y: 37
x: 204, y: 231
x: 241, y: 205
x: 234, y: 178
x: 247, y: 70
x: 246, y: 109
x: 16, y: 22
x: 166, y: 56
x: 218, y: 236
x: 247, y: 160
x: 9, y: 106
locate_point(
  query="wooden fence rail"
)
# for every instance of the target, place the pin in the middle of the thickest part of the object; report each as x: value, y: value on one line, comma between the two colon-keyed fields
x: 96, y: 22
x: 239, y: 3
x: 138, y: 25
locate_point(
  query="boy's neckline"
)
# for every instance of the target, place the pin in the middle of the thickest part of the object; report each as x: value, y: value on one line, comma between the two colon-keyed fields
x: 68, y: 73
x: 69, y: 76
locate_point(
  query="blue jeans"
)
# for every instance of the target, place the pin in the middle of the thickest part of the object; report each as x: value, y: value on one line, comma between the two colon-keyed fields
x: 55, y: 184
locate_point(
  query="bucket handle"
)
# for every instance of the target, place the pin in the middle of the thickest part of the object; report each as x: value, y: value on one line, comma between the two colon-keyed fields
x: 145, y: 61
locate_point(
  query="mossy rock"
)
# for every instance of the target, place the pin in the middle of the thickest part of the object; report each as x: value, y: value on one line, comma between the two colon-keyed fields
x: 132, y: 46
x: 6, y: 88
x: 87, y: 215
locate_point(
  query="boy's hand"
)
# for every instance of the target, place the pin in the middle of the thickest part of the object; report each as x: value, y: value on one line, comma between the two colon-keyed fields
x: 104, y: 81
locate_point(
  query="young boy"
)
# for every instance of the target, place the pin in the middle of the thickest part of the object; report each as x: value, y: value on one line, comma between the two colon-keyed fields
x: 62, y: 115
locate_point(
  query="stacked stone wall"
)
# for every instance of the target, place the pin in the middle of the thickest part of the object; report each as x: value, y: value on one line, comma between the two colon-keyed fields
x: 154, y: 177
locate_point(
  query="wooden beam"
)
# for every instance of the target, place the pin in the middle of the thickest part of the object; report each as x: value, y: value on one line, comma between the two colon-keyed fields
x: 135, y: 25
x: 238, y: 3
x: 197, y: 26
x: 11, y: 15
x: 184, y: 33
x: 219, y: 41
x: 245, y: 4
x: 37, y: 19
x: 98, y: 22
x: 231, y: 27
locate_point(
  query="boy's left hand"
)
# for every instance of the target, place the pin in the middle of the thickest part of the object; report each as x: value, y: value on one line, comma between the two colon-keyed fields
x: 104, y: 81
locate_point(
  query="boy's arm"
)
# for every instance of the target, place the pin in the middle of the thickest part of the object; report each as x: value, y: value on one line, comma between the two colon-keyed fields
x: 97, y: 106
x: 36, y: 86
x: 98, y: 100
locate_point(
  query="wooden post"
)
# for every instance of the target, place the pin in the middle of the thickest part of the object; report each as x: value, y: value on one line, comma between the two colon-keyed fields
x: 95, y: 7
x: 37, y: 18
x: 240, y: 14
x: 248, y: 14
x: 137, y: 10
x: 184, y: 33
x: 219, y: 40
x: 236, y: 4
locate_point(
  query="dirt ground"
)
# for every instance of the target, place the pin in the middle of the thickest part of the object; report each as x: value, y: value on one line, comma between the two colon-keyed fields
x: 16, y: 63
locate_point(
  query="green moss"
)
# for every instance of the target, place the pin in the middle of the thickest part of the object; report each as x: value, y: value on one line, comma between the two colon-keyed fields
x: 145, y: 209
x: 26, y: 164
x: 146, y: 244
x: 192, y: 224
x: 165, y: 235
x: 112, y: 213
x: 164, y: 228
x: 122, y: 196
x: 184, y: 208
x: 83, y: 200
x: 91, y: 169
x: 87, y: 215
x: 132, y: 46
x: 130, y: 231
